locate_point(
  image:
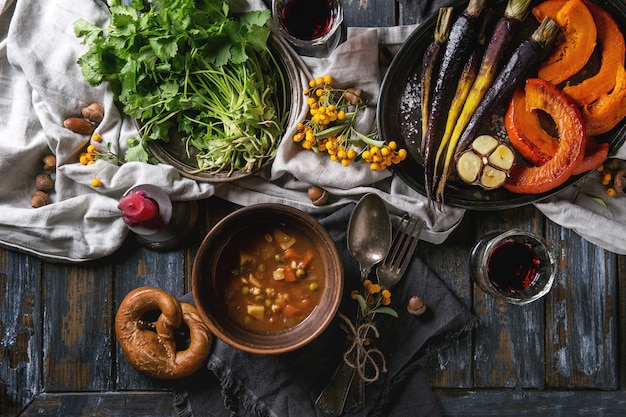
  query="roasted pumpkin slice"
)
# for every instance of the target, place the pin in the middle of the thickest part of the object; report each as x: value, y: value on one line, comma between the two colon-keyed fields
x: 526, y: 134
x: 606, y: 112
x: 595, y: 155
x: 528, y: 137
x: 612, y: 49
x: 576, y: 43
x: 542, y: 95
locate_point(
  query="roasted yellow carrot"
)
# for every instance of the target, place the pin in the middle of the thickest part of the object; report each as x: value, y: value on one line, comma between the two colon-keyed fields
x: 458, y: 48
x: 466, y: 80
x: 514, y: 14
x: 514, y: 72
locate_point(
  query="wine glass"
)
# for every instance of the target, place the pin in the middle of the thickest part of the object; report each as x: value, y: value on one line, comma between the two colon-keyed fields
x: 313, y: 27
x: 514, y: 266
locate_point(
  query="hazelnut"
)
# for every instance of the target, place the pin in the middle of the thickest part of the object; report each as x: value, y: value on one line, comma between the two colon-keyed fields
x: 613, y: 163
x: 49, y: 163
x: 318, y: 195
x: 385, y: 56
x: 78, y: 125
x: 353, y: 95
x: 43, y: 182
x: 39, y: 199
x: 416, y: 306
x: 94, y: 112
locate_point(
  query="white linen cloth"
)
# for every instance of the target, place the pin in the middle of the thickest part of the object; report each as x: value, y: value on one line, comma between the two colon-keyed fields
x: 41, y: 85
x: 573, y: 208
x: 353, y: 64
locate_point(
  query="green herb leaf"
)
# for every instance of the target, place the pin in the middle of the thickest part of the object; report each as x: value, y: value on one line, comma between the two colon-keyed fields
x: 187, y: 66
x: 137, y: 153
x: 386, y: 310
x: 368, y: 140
x: 597, y: 199
x: 362, y: 304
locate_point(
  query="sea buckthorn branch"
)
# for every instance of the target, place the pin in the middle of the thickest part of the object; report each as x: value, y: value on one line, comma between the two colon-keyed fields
x: 330, y: 127
x: 92, y: 154
x: 368, y: 361
x: 611, y: 175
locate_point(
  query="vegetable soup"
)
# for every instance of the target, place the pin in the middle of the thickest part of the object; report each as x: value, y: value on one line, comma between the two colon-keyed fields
x: 271, y: 279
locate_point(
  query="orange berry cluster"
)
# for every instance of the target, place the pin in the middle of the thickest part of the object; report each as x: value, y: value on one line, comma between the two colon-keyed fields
x: 609, y: 171
x: 330, y: 127
x: 92, y: 154
x: 374, y: 296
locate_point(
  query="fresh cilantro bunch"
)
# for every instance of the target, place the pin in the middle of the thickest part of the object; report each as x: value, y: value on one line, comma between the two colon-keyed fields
x: 188, y: 66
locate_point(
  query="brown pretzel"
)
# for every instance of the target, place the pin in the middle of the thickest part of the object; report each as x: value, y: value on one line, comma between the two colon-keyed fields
x: 152, y: 351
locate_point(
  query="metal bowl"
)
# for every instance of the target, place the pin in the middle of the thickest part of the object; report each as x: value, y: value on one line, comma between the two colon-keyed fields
x: 174, y: 152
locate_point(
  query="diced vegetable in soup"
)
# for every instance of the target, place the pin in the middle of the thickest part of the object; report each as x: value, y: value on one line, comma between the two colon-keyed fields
x: 272, y: 279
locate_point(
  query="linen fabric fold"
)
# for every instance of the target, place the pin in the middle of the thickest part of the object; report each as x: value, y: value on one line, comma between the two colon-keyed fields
x: 578, y: 209
x: 41, y: 85
x: 243, y: 384
x: 354, y: 63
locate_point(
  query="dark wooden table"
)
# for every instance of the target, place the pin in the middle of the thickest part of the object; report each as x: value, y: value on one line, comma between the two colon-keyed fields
x: 563, y: 355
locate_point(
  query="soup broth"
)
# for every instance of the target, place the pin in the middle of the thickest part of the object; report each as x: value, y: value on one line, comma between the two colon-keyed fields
x: 272, y: 279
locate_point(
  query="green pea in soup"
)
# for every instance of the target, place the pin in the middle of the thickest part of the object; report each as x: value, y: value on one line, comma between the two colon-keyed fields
x: 272, y: 279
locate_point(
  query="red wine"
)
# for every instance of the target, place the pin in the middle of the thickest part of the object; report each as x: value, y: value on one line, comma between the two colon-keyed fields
x: 513, y: 266
x: 307, y: 19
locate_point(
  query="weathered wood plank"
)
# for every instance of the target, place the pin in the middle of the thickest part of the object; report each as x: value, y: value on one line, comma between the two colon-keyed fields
x: 452, y: 367
x: 369, y: 13
x: 20, y: 330
x: 210, y: 211
x: 110, y: 404
x: 582, y: 314
x: 509, y: 342
x: 418, y: 11
x: 531, y: 403
x: 77, y: 327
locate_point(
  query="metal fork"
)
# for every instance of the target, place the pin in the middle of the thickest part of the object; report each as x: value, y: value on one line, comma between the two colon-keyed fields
x: 393, y: 267
x: 389, y: 273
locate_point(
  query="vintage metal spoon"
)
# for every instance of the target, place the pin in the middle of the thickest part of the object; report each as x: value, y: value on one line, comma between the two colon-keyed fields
x: 369, y: 232
x: 369, y: 239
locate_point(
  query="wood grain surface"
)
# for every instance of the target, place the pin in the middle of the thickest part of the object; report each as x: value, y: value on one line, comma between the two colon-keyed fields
x: 563, y: 355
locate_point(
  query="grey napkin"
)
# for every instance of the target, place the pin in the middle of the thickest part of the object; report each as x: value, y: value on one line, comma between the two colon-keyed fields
x: 242, y: 384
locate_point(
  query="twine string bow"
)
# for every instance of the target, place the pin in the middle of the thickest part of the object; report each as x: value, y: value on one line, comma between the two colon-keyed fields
x: 358, y: 356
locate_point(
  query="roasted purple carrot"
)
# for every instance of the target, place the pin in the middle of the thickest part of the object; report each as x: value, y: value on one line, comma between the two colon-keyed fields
x: 430, y: 61
x: 514, y: 14
x: 458, y: 48
x: 466, y: 80
x: 524, y: 59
